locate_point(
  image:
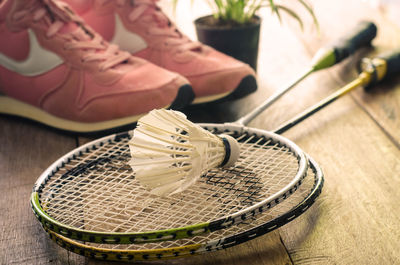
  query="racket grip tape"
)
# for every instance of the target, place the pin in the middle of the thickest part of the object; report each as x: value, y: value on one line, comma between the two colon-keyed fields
x: 380, y: 68
x: 392, y: 60
x: 359, y: 37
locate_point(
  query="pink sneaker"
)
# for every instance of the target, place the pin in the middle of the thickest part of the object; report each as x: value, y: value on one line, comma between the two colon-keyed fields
x: 56, y: 70
x: 141, y: 28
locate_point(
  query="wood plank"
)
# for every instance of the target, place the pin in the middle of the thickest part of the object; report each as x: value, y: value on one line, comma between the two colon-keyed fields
x: 358, y: 215
x: 357, y: 218
x: 357, y: 221
x: 26, y: 150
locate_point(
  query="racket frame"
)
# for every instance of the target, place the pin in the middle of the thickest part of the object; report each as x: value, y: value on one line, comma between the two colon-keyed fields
x: 173, y: 233
x: 196, y: 249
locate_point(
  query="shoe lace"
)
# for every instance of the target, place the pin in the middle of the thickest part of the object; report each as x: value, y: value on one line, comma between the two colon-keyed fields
x: 59, y: 17
x: 159, y: 24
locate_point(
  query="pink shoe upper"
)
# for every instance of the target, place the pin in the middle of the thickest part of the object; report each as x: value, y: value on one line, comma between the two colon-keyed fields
x: 141, y: 28
x: 51, y: 59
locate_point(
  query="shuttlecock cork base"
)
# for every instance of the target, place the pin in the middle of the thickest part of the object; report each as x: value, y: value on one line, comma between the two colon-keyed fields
x: 169, y: 153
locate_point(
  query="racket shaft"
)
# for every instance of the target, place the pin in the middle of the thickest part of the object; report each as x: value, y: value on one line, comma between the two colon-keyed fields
x: 249, y: 117
x: 320, y: 105
x: 325, y: 57
x: 373, y: 71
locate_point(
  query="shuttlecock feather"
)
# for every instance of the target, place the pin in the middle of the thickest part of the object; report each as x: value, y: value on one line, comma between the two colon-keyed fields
x: 169, y: 153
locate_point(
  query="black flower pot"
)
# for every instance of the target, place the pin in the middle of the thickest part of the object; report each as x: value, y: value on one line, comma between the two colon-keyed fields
x: 240, y: 42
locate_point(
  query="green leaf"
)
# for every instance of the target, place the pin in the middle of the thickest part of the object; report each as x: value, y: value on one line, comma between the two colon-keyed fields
x: 309, y: 9
x: 274, y: 9
x: 242, y: 11
x: 293, y: 14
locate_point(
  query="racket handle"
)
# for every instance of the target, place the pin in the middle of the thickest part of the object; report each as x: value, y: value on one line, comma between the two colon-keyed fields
x: 362, y: 36
x: 359, y: 37
x: 392, y: 63
x: 382, y: 67
x: 372, y: 72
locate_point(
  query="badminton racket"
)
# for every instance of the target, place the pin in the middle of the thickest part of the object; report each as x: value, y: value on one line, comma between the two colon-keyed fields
x: 69, y: 210
x: 249, y: 229
x: 372, y: 72
x: 91, y: 194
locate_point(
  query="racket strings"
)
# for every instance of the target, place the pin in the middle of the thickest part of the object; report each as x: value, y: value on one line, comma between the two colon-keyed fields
x: 265, y: 158
x: 97, y: 190
x: 212, y: 239
x: 98, y: 172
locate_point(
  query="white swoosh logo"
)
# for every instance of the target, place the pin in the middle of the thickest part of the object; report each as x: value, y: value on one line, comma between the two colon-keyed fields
x: 126, y: 40
x: 39, y: 60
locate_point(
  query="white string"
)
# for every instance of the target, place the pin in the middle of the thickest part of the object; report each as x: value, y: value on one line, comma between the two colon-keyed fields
x: 112, y: 200
x: 273, y: 213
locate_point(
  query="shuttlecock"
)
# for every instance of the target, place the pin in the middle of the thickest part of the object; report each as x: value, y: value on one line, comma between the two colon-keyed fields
x: 169, y: 153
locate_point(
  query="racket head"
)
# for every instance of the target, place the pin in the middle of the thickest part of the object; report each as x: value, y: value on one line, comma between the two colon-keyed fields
x: 254, y: 227
x: 90, y: 193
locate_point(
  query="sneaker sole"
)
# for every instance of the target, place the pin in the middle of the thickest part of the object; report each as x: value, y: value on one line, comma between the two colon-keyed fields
x: 247, y: 86
x: 184, y: 98
x: 15, y: 107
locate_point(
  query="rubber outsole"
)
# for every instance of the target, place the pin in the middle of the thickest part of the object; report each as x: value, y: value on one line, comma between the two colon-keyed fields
x: 184, y: 97
x: 15, y: 107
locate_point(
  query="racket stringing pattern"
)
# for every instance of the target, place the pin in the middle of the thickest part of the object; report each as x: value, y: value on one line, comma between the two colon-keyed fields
x: 90, y: 194
x: 249, y: 229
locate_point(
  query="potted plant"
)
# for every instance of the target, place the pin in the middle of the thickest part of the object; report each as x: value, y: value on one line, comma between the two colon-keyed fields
x: 234, y: 26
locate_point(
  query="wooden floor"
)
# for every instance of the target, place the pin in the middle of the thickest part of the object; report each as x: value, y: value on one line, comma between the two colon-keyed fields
x: 356, y: 140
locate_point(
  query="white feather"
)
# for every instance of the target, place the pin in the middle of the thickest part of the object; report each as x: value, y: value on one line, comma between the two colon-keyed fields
x: 169, y: 153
